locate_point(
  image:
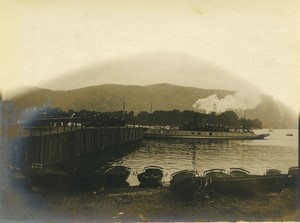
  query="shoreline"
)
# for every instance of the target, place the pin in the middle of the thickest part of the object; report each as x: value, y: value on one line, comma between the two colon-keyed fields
x: 136, y: 204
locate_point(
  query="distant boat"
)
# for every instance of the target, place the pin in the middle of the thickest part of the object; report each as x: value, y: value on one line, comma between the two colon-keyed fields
x: 117, y: 175
x: 168, y: 132
x: 289, y: 134
x: 240, y: 181
x: 151, y: 176
x: 186, y: 183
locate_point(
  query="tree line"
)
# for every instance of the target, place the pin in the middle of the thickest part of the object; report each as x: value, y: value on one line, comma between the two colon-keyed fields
x: 174, y: 118
x: 194, y: 120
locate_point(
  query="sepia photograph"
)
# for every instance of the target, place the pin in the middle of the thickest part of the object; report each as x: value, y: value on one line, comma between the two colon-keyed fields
x: 149, y: 111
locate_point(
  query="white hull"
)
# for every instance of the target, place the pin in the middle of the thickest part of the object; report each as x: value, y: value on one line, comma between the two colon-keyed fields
x: 185, y: 134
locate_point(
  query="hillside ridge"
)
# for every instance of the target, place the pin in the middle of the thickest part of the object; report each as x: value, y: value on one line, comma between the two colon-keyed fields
x: 162, y: 96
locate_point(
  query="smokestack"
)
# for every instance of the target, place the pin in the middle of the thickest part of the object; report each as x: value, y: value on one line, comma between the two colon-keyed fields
x: 150, y: 115
x: 244, y: 120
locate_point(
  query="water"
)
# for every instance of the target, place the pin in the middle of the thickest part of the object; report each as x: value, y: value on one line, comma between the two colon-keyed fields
x: 276, y: 151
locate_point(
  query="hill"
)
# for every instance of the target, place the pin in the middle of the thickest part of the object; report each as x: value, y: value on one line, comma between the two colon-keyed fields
x: 110, y: 97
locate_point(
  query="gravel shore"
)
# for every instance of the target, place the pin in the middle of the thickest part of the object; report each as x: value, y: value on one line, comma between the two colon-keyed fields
x: 134, y: 204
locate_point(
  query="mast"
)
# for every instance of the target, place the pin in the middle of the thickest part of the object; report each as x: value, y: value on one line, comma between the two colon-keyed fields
x: 244, y: 128
x: 123, y: 113
x: 150, y: 116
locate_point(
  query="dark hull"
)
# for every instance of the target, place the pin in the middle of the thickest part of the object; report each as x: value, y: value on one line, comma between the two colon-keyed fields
x: 65, y: 181
x: 250, y: 185
x: 147, y: 180
x: 186, y: 183
x: 115, y: 179
x: 187, y: 187
x: 293, y: 176
x: 116, y: 175
x: 151, y: 176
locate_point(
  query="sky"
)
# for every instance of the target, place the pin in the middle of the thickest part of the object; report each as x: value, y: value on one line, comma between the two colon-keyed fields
x: 255, y: 42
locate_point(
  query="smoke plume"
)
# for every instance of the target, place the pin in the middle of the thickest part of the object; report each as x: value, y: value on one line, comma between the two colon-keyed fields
x: 238, y: 101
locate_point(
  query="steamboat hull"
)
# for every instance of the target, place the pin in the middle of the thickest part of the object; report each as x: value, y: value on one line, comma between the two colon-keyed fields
x: 184, y: 134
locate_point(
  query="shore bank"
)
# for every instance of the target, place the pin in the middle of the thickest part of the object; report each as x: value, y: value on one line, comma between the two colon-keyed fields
x: 135, y: 204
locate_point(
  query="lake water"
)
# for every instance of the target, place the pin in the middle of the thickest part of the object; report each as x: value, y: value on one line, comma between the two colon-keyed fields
x: 276, y: 151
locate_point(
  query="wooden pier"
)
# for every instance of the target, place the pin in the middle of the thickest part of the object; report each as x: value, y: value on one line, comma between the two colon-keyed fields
x: 47, y: 147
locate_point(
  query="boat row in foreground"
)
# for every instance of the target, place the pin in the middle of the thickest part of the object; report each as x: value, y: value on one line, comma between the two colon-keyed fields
x: 237, y: 181
x: 150, y: 176
x: 184, y: 182
x: 95, y: 180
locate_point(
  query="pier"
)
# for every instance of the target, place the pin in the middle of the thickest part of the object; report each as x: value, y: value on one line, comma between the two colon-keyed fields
x: 38, y: 141
x: 46, y: 147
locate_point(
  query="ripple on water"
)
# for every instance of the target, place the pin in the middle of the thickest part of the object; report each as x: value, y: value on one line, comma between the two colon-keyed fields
x: 277, y: 151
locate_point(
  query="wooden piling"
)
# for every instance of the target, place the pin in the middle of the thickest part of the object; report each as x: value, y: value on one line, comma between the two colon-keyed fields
x: 58, y: 146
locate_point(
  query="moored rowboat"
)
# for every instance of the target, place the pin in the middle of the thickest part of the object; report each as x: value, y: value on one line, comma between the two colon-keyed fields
x: 61, y: 180
x: 245, y: 183
x: 151, y: 176
x: 186, y: 183
x: 117, y: 175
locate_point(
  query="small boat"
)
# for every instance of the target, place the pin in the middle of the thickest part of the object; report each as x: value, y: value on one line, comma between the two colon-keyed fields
x: 238, y: 172
x: 117, y: 175
x: 273, y: 172
x: 240, y: 181
x: 293, y: 176
x: 40, y: 179
x: 186, y: 183
x: 151, y: 176
x: 211, y: 175
x: 289, y: 134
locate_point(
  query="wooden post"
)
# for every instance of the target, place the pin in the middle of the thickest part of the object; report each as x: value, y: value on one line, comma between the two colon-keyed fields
x: 58, y: 147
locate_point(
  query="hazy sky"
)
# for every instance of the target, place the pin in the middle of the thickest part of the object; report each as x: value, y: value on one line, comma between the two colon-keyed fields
x: 256, y: 41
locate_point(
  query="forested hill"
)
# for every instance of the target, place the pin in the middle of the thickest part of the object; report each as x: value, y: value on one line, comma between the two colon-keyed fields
x: 111, y: 97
